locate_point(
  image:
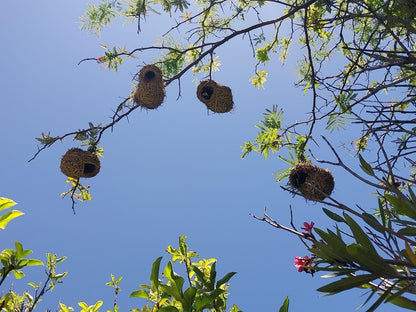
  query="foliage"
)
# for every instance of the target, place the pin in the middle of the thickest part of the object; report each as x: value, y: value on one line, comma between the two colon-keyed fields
x: 13, y: 261
x: 204, y: 291
x: 371, y: 93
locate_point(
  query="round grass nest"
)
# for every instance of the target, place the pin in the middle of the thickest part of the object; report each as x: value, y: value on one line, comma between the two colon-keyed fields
x: 150, y: 91
x: 312, y: 181
x: 77, y: 163
x: 216, y: 97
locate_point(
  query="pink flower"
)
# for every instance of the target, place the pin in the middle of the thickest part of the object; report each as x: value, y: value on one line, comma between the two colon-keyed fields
x: 301, y: 262
x: 304, y: 264
x: 308, y: 227
x: 100, y: 59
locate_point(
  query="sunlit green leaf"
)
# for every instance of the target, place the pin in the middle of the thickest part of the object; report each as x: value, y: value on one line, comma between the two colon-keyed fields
x: 8, y: 216
x: 6, y: 203
x: 176, y: 281
x: 259, y: 79
x: 141, y: 293
x: 154, y: 276
x: 32, y: 262
x: 18, y: 274
x: 285, y: 305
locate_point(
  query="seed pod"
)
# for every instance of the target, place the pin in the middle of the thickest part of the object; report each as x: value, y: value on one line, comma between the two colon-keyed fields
x: 77, y: 163
x: 216, y: 97
x: 312, y: 181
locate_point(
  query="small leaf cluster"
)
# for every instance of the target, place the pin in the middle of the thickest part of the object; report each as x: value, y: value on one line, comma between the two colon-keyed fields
x: 360, y: 263
x: 83, y: 190
x: 13, y: 261
x: 90, y: 138
x: 112, y: 56
x: 204, y: 291
x: 272, y: 137
x: 97, y: 16
x: 46, y: 139
x: 269, y: 139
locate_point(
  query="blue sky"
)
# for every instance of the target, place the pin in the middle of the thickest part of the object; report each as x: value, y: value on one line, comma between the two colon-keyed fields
x: 166, y: 173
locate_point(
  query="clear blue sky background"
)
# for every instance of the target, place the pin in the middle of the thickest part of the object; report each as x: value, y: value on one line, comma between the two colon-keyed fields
x: 169, y: 172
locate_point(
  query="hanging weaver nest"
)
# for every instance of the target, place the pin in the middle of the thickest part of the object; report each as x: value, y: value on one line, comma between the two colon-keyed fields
x: 312, y: 181
x: 150, y: 91
x: 216, y: 97
x: 77, y: 163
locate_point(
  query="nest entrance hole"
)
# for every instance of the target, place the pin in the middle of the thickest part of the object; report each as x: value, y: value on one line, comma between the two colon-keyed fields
x: 299, y: 178
x: 89, y: 168
x: 149, y: 75
x: 207, y: 92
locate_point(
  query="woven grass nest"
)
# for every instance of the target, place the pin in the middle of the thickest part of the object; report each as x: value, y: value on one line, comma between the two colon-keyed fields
x: 216, y: 97
x: 77, y: 163
x: 312, y: 181
x: 150, y: 91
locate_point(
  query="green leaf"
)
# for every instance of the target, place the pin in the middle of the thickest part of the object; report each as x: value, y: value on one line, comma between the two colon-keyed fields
x: 412, y: 195
x: 182, y: 245
x: 334, y: 246
x: 33, y: 262
x: 333, y: 215
x: 168, y: 309
x: 285, y: 305
x: 212, y: 276
x: 206, y: 298
x: 365, y: 166
x: 6, y: 203
x: 235, y: 308
x: 380, y: 300
x: 370, y: 261
x: 189, y: 297
x: 8, y: 216
x: 141, y: 293
x: 60, y: 260
x: 198, y: 273
x: 407, y: 231
x: 19, y: 250
x: 347, y: 283
x: 154, y: 276
x: 374, y: 223
x: 402, y: 207
x: 326, y: 252
x: 259, y: 79
x: 18, y: 274
x: 176, y: 281
x: 359, y: 235
x: 97, y: 305
x: 404, y: 302
x: 225, y: 279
